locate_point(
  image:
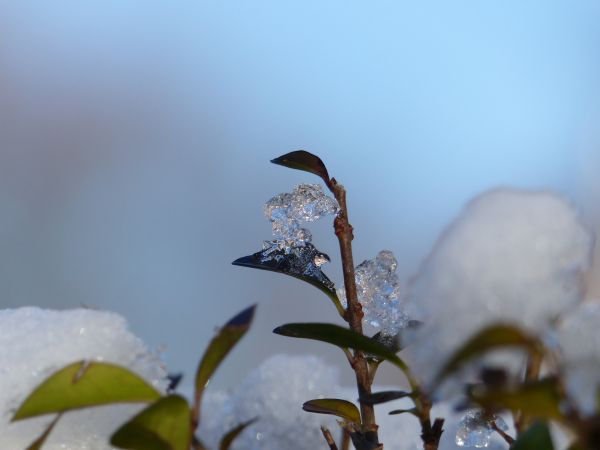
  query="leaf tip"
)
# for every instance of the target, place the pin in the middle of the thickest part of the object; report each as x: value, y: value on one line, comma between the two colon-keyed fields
x: 243, y: 318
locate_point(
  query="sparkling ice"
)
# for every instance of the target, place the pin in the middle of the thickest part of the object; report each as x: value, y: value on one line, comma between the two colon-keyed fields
x: 378, y: 290
x: 306, y: 203
x: 475, y: 429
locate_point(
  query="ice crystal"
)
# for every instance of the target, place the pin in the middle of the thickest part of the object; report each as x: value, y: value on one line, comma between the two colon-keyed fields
x: 378, y: 290
x: 476, y: 429
x: 306, y: 203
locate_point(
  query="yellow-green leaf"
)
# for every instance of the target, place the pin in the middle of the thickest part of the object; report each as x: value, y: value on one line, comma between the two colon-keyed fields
x: 539, y: 399
x: 536, y: 437
x: 334, y: 406
x: 232, y: 434
x: 164, y: 425
x: 490, y: 338
x: 221, y: 345
x: 84, y: 384
x: 37, y: 444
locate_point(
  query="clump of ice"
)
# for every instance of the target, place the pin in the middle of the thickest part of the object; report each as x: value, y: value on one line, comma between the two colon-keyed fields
x: 579, y: 340
x: 378, y: 290
x: 513, y: 256
x: 287, y: 211
x: 476, y: 429
x: 37, y: 342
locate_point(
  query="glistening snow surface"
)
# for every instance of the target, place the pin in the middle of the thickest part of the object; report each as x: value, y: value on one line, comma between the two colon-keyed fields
x: 512, y: 255
x: 36, y: 342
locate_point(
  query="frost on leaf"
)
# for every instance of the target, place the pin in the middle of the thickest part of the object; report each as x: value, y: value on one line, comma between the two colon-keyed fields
x: 378, y: 289
x: 476, y: 429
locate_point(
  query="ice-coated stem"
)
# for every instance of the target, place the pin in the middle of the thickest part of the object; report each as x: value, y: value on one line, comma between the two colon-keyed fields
x: 354, y: 313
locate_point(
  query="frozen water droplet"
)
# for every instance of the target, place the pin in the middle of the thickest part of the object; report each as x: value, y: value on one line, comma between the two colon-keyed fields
x: 475, y: 429
x: 378, y: 289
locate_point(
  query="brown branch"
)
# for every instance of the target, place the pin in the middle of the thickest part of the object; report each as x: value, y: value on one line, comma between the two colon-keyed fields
x: 532, y: 372
x: 329, y: 438
x: 345, y: 439
x: 354, y: 313
x: 507, y: 437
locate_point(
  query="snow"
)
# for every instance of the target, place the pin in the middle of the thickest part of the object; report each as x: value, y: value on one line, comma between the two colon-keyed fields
x: 37, y: 342
x: 512, y: 255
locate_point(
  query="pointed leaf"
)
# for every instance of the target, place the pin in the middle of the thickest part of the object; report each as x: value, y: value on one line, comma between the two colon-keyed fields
x: 377, y: 398
x: 84, y: 384
x: 221, y: 345
x: 334, y: 406
x: 536, y: 437
x: 299, y: 263
x: 164, y: 425
x: 303, y: 160
x: 412, y: 411
x: 230, y: 436
x: 37, y: 444
x: 539, y: 398
x: 490, y: 338
x: 341, y: 337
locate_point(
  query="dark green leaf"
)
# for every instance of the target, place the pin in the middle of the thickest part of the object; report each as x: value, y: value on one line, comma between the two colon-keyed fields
x: 403, y: 411
x: 334, y: 406
x: 303, y: 160
x: 490, y: 338
x: 37, y: 444
x: 300, y: 262
x: 539, y: 398
x: 227, y: 337
x: 537, y: 437
x: 383, y: 397
x: 164, y: 425
x: 83, y: 384
x: 342, y: 337
x: 234, y: 433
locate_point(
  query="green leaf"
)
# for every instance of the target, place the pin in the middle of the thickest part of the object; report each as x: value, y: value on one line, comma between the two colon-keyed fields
x: 164, y: 425
x: 234, y: 433
x: 334, y: 406
x: 490, y: 338
x: 84, y: 384
x: 299, y: 263
x: 536, y: 437
x: 539, y: 398
x: 227, y: 337
x: 412, y: 411
x: 341, y: 337
x: 37, y: 444
x: 377, y: 398
x: 303, y: 160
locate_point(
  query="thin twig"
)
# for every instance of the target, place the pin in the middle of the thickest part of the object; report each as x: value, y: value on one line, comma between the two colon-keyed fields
x: 507, y: 437
x: 329, y: 438
x: 354, y: 313
x: 345, y: 439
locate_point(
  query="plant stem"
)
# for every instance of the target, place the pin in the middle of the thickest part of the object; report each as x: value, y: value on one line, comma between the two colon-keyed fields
x: 354, y: 313
x: 329, y: 438
x: 532, y: 372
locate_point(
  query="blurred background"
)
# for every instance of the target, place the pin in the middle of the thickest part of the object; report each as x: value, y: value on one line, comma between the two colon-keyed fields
x: 135, y: 139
